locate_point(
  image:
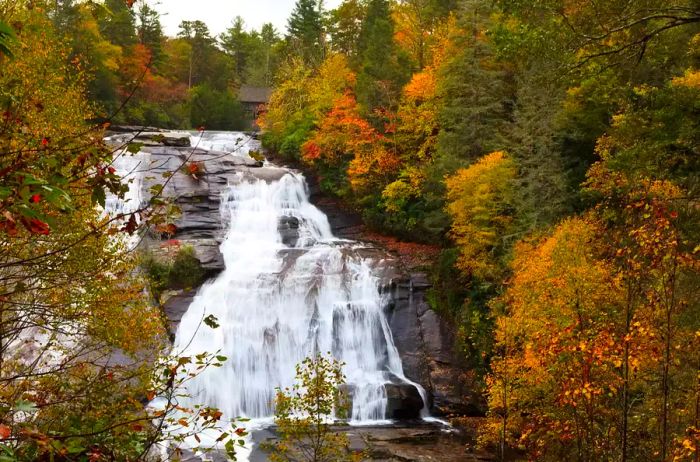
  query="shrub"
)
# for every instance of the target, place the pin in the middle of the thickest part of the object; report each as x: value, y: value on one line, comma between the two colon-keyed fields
x: 182, y: 271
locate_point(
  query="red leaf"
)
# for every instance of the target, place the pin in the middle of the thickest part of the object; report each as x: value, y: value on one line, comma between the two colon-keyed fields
x: 168, y: 229
x: 5, y: 432
x: 35, y: 226
x: 131, y: 225
x: 35, y: 198
x: 44, y: 142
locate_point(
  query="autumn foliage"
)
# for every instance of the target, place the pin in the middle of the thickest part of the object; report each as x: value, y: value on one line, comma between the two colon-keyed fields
x: 481, y: 206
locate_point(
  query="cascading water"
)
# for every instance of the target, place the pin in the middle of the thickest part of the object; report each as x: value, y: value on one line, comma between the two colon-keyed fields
x: 278, y: 302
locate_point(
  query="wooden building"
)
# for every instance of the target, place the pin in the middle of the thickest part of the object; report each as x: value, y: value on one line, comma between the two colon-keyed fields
x: 254, y: 100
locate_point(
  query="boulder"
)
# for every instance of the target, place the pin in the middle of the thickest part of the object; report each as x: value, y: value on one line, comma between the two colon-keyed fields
x: 175, y: 306
x: 288, y: 228
x: 403, y: 401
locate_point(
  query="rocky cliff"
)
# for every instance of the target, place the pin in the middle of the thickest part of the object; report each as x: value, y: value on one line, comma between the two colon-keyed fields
x: 425, y: 341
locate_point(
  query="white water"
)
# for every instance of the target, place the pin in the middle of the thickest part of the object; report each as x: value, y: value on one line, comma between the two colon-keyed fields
x: 277, y: 304
x: 131, y: 169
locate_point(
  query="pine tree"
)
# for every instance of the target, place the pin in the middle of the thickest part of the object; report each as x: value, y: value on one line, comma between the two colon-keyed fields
x: 235, y: 43
x: 475, y: 94
x: 150, y: 31
x: 383, y: 68
x: 305, y: 31
x: 118, y: 25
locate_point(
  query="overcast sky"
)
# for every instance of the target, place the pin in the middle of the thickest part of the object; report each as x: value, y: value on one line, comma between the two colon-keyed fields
x: 218, y: 14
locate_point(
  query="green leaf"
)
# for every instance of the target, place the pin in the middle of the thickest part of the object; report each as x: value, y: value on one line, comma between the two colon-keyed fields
x: 134, y: 147
x: 221, y: 358
x: 99, y: 196
x: 230, y: 449
x: 156, y: 189
x: 7, y: 35
x: 25, y: 406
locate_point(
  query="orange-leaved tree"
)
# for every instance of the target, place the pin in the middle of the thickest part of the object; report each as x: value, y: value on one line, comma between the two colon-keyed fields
x: 554, y: 386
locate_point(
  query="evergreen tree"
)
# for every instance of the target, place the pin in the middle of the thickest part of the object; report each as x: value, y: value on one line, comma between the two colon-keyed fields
x: 475, y: 93
x: 235, y: 42
x: 270, y: 39
x: 196, y: 33
x: 383, y: 69
x: 118, y: 25
x: 305, y: 31
x: 150, y: 31
x: 345, y: 25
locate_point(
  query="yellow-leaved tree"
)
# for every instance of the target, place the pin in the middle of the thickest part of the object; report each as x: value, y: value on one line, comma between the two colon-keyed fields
x: 554, y: 385
x: 480, y: 203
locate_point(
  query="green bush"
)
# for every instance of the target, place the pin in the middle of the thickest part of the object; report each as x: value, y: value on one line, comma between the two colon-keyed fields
x: 182, y: 271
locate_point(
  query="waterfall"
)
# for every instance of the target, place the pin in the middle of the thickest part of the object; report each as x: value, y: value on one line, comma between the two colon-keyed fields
x: 131, y: 168
x: 281, y: 299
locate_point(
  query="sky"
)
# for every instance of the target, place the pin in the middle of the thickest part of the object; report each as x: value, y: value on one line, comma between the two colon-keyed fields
x: 218, y: 14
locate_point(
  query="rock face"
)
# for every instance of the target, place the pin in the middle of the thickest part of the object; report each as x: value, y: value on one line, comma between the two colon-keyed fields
x: 288, y: 228
x: 424, y: 341
x: 165, y: 157
x: 404, y: 401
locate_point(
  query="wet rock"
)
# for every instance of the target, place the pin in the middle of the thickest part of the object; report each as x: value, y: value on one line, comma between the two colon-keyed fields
x: 288, y: 227
x: 175, y: 304
x: 150, y: 136
x: 198, y: 196
x: 131, y: 129
x: 426, y: 344
x: 403, y: 401
x: 412, y: 441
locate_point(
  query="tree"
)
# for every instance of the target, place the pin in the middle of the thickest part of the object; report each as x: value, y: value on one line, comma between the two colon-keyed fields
x: 613, y: 34
x: 235, y: 42
x: 196, y: 33
x: 215, y: 110
x: 305, y: 31
x: 480, y: 202
x: 418, y: 25
x: 287, y: 122
x: 303, y: 412
x: 345, y: 26
x: 383, y: 69
x: 79, y: 23
x: 270, y: 43
x: 150, y: 31
x: 555, y: 381
x: 69, y: 291
x: 416, y: 132
x: 475, y: 93
x: 118, y: 25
